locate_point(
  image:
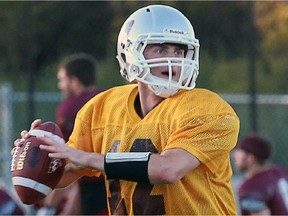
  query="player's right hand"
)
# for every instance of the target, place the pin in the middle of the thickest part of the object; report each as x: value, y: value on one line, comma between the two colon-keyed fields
x: 25, y: 134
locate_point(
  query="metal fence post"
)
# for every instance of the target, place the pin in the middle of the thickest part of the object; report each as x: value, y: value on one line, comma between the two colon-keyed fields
x: 6, y: 124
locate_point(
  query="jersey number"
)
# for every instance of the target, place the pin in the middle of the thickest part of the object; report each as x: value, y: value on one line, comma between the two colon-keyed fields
x: 143, y: 203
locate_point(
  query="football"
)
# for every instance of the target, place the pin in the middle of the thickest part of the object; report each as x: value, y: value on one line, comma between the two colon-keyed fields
x: 34, y: 174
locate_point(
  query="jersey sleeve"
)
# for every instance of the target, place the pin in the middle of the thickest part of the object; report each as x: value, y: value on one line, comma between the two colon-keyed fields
x: 210, y: 138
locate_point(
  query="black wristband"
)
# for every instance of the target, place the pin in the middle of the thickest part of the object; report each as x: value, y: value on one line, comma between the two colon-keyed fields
x: 127, y: 166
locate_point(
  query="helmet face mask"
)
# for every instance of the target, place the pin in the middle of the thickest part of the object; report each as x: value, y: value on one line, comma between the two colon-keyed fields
x: 158, y: 24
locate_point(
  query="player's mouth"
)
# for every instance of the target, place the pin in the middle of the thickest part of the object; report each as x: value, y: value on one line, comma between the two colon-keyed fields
x: 166, y: 73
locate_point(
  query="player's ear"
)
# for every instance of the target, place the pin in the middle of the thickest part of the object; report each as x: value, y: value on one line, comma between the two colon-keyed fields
x: 75, y: 82
x: 251, y: 159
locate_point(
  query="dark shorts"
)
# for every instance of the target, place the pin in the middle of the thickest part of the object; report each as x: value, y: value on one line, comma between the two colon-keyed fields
x: 93, y: 196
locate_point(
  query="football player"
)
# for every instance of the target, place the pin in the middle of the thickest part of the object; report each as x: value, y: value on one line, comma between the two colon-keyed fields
x: 8, y: 204
x: 265, y: 190
x: 76, y: 76
x: 162, y: 144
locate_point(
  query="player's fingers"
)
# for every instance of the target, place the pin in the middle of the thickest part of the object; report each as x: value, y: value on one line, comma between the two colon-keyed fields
x: 24, y: 134
x: 51, y: 144
x: 18, y: 142
x: 58, y: 155
x: 47, y: 140
x: 48, y: 148
x: 35, y: 123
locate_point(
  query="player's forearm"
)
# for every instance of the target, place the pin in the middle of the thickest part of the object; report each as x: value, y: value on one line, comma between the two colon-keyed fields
x: 170, y: 166
x: 67, y: 178
x: 161, y: 171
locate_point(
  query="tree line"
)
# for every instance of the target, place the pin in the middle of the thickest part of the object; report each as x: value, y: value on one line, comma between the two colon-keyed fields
x: 35, y: 35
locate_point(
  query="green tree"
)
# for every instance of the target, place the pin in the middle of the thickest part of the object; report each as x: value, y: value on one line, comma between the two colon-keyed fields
x: 39, y: 33
x: 271, y: 20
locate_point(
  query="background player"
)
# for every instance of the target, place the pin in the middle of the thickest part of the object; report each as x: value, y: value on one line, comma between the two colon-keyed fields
x: 163, y: 147
x: 265, y: 190
x: 8, y: 204
x: 77, y: 81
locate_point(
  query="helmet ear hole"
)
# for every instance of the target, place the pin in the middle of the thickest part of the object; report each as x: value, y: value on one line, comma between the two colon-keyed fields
x: 123, y: 56
x: 140, y: 46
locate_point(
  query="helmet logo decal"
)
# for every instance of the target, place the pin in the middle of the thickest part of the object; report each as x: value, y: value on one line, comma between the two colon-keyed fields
x: 174, y: 31
x: 129, y: 26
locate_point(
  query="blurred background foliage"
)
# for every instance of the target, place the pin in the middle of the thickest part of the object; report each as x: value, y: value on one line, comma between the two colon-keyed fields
x: 36, y: 35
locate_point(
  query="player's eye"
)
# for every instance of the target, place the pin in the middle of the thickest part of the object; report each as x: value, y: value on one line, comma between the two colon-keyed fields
x: 161, y: 50
x: 179, y: 53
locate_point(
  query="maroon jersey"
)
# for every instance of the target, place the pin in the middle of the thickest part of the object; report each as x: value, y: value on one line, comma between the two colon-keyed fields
x: 68, y: 109
x: 8, y: 205
x: 265, y: 189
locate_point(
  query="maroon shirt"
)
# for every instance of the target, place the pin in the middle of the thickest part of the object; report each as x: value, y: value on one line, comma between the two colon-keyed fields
x: 8, y: 206
x: 68, y: 109
x: 265, y: 189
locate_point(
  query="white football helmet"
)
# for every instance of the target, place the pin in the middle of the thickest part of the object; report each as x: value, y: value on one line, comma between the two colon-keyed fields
x: 158, y: 24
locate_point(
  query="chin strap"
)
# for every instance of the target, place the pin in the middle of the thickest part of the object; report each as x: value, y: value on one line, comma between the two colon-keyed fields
x: 162, y: 91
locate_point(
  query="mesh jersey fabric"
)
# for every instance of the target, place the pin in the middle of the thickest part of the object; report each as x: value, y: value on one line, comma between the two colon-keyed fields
x: 198, y: 121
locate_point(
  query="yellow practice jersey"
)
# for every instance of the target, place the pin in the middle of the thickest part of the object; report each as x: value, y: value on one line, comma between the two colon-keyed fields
x: 198, y: 121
